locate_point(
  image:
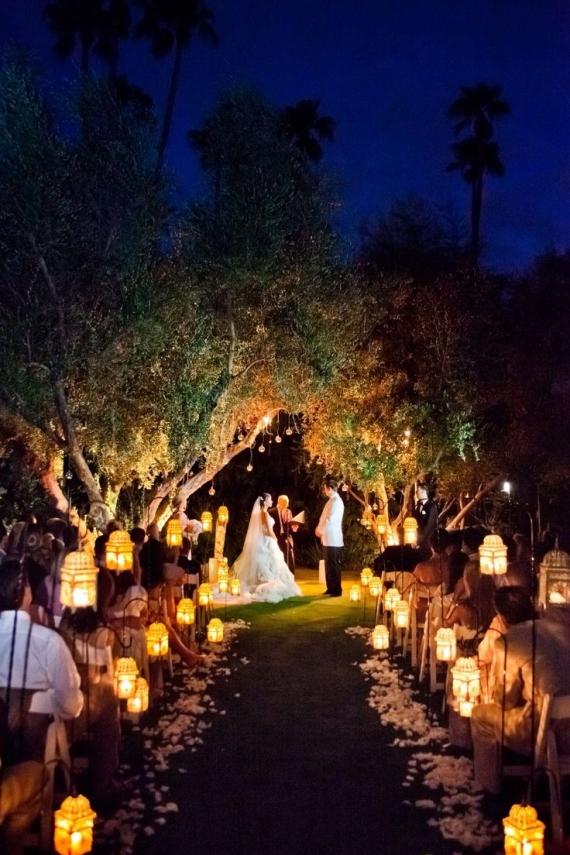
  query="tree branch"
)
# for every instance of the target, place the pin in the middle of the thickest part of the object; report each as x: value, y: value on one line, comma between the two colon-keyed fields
x: 482, y: 491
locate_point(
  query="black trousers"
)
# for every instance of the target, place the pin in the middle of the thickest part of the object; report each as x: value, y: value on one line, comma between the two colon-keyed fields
x: 333, y: 567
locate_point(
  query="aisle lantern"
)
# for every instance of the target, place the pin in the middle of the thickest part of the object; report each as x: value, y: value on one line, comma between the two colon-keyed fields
x: 215, y: 630
x: 223, y: 515
x: 466, y: 708
x: 375, y: 586
x: 524, y: 832
x: 119, y: 552
x: 402, y: 614
x: 185, y: 612
x: 78, y: 581
x: 174, y: 533
x: 493, y: 556
x: 380, y: 637
x: 354, y: 595
x: 392, y: 537
x: 391, y: 599
x: 554, y: 584
x: 126, y: 673
x: 235, y: 587
x: 381, y: 524
x: 445, y: 644
x: 223, y: 569
x: 207, y: 521
x: 466, y: 679
x: 139, y: 702
x: 157, y: 639
x: 366, y: 576
x: 411, y: 531
x: 223, y: 585
x: 205, y: 596
x: 73, y: 826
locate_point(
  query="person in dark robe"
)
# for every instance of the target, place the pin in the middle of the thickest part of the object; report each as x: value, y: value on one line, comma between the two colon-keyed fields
x: 284, y: 530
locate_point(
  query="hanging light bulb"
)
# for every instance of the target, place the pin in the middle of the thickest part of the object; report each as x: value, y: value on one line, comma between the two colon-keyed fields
x: 240, y: 437
x: 261, y: 448
x: 249, y: 468
x: 375, y: 506
x: 278, y: 439
x: 289, y: 431
x: 380, y: 637
x: 212, y: 491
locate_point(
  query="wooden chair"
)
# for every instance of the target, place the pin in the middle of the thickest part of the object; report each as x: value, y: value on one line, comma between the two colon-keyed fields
x: 524, y: 770
x: 557, y: 765
x: 56, y: 755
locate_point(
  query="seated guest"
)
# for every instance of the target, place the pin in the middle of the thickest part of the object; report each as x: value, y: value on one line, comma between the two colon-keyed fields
x: 127, y: 614
x: 512, y: 605
x: 138, y: 538
x: 152, y: 558
x: 471, y: 605
x: 455, y: 566
x: 47, y: 602
x: 434, y: 571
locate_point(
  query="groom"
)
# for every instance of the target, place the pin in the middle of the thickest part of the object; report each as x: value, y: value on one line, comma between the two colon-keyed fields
x: 284, y: 530
x: 329, y: 530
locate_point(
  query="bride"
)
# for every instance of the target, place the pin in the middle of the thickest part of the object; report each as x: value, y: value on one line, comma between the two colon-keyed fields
x: 261, y: 567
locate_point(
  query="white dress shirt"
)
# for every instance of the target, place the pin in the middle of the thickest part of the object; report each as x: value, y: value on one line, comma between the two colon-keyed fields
x: 330, y: 523
x: 51, y: 668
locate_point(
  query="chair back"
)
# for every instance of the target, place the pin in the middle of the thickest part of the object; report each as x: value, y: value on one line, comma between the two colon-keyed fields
x: 560, y: 707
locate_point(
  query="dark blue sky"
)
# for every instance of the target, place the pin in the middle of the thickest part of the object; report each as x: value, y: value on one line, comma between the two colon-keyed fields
x: 386, y: 70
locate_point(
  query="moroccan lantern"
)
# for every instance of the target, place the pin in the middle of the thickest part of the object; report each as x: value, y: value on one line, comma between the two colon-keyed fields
x: 493, y: 556
x: 215, y: 630
x: 235, y: 587
x: 223, y: 515
x: 126, y: 673
x: 205, y: 596
x: 524, y: 832
x: 466, y: 708
x: 174, y: 533
x: 73, y: 826
x: 375, y: 586
x: 381, y: 524
x: 207, y: 521
x: 366, y: 576
x: 402, y: 614
x: 119, y: 552
x: 78, y: 581
x: 391, y: 599
x: 445, y: 645
x: 354, y: 594
x: 157, y: 639
x: 185, y: 612
x: 392, y: 537
x: 411, y: 531
x: 223, y: 569
x: 380, y: 637
x: 466, y: 679
x: 139, y: 702
x: 223, y: 585
x: 554, y: 584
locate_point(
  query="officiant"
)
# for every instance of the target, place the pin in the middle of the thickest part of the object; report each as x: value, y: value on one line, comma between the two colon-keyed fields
x: 284, y: 528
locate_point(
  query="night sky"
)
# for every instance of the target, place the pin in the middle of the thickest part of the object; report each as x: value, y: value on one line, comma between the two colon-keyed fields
x: 386, y: 70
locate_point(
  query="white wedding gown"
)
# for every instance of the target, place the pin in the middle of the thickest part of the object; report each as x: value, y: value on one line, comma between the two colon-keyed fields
x: 261, y: 567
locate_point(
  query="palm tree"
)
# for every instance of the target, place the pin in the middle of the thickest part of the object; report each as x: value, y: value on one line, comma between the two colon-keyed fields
x: 171, y: 25
x: 73, y: 21
x: 477, y: 154
x: 305, y: 129
x: 113, y: 25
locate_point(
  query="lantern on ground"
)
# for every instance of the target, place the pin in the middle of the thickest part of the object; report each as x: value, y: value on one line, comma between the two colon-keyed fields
x: 524, y: 832
x: 445, y: 645
x: 391, y: 599
x: 78, y: 581
x: 207, y: 521
x: 157, y: 639
x: 466, y: 679
x: 375, y: 586
x: 392, y: 537
x: 223, y: 585
x: 354, y: 594
x: 493, y: 556
x: 223, y: 515
x: 73, y: 826
x: 466, y: 708
x: 402, y: 614
x: 381, y: 524
x: 119, y: 552
x: 185, y: 612
x: 205, y: 596
x: 380, y: 637
x: 235, y: 587
x: 126, y: 673
x: 554, y: 585
x: 215, y: 630
x: 174, y: 533
x: 223, y: 569
x: 411, y: 531
x: 366, y: 576
x: 139, y: 702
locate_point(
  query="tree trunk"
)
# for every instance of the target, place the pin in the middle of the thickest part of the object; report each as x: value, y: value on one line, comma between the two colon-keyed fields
x: 168, y: 113
x: 482, y: 491
x: 51, y: 486
x: 163, y: 493
x: 476, y: 206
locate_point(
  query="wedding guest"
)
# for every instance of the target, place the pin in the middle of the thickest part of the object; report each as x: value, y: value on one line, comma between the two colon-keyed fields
x: 329, y: 531
x: 152, y: 558
x: 434, y: 571
x: 512, y: 605
x: 425, y: 513
x: 137, y: 536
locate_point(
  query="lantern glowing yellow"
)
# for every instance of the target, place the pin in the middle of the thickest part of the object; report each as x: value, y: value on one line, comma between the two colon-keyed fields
x: 354, y: 595
x: 223, y: 569
x: 119, y: 552
x: 554, y: 585
x: 445, y: 644
x: 381, y: 524
x: 402, y: 614
x: 185, y: 612
x: 205, y: 596
x: 223, y: 585
x: 466, y: 679
x: 215, y: 630
x: 174, y: 533
x: 524, y: 832
x: 411, y: 531
x: 78, y: 581
x: 235, y: 587
x: 73, y: 826
x: 391, y: 599
x: 380, y: 637
x: 466, y: 708
x: 126, y: 673
x: 493, y: 556
x: 223, y: 515
x: 366, y: 576
x: 375, y: 586
x: 207, y: 521
x: 392, y: 537
x: 139, y: 702
x: 157, y: 639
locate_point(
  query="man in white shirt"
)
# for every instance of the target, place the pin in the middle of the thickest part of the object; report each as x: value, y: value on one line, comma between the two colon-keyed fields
x: 329, y: 530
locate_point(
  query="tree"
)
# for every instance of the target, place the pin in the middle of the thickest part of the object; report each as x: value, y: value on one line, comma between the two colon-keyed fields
x: 171, y: 25
x: 304, y: 128
x: 477, y: 154
x: 113, y: 25
x: 75, y: 22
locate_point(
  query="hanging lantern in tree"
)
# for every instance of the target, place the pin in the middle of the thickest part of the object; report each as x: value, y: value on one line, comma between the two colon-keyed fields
x: 402, y: 614
x: 185, y: 612
x: 126, y: 673
x: 119, y: 552
x: 223, y: 515
x: 207, y: 521
x: 354, y: 595
x: 493, y: 556
x: 466, y: 679
x: 174, y: 533
x: 215, y: 630
x: 73, y: 826
x: 445, y: 645
x: 205, y: 596
x: 411, y: 531
x: 78, y: 581
x: 554, y: 585
x: 391, y: 599
x: 375, y: 586
x: 235, y: 587
x: 524, y: 832
x: 139, y: 702
x: 366, y: 576
x: 380, y: 637
x: 157, y: 639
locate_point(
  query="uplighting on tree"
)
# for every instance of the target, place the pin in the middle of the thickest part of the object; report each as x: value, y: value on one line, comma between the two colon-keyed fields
x: 524, y: 832
x: 78, y: 581
x: 215, y: 631
x: 445, y: 645
x: 354, y: 595
x: 157, y: 639
x: 411, y: 531
x: 380, y: 637
x: 185, y: 612
x: 493, y: 556
x: 139, y: 702
x: 119, y: 552
x: 73, y: 826
x: 174, y: 533
x: 365, y: 577
x: 207, y: 521
x: 391, y: 599
x: 126, y: 673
